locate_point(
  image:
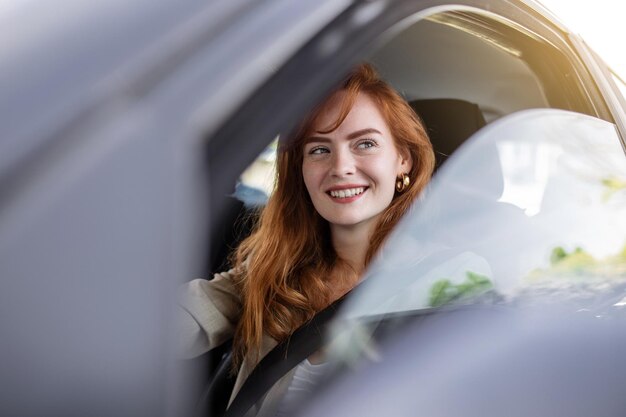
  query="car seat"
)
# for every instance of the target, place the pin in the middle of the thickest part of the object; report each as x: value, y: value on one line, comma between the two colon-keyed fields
x: 449, y: 123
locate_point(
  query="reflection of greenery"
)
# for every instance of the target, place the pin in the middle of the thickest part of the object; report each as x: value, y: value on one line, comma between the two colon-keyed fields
x: 574, y: 260
x: 580, y: 263
x: 444, y: 291
x: 613, y: 185
x: 576, y: 263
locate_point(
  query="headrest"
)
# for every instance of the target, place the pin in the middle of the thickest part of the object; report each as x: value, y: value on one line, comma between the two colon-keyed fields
x: 449, y: 123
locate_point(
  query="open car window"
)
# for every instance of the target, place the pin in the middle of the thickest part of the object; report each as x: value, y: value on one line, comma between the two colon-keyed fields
x: 256, y: 183
x: 530, y: 208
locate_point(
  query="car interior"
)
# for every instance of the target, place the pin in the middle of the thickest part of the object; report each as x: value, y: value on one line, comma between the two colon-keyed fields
x: 459, y: 71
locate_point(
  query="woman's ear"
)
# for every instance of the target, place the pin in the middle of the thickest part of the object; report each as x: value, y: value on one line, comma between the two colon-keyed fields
x: 406, y: 162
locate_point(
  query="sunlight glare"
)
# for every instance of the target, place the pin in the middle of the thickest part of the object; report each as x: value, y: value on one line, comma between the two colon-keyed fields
x: 599, y: 23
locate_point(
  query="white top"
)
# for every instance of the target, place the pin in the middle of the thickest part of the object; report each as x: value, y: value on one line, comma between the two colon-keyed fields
x: 304, y: 380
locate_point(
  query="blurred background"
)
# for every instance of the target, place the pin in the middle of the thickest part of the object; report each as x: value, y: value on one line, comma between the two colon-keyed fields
x: 600, y: 23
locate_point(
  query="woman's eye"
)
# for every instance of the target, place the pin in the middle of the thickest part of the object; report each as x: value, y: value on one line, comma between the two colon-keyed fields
x: 318, y: 150
x: 365, y: 144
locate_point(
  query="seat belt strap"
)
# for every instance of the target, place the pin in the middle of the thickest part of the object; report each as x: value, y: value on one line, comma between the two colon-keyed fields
x: 305, y: 341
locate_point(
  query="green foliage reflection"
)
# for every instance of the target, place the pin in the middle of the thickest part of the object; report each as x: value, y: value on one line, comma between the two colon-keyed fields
x: 613, y: 185
x: 444, y: 291
x: 579, y: 263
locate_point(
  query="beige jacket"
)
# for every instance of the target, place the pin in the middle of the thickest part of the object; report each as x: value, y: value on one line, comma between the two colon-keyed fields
x: 208, y: 317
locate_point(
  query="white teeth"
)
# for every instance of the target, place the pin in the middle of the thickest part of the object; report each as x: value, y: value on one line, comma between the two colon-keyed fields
x: 350, y: 192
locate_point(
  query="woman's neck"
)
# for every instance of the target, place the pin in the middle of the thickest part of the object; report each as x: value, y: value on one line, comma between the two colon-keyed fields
x: 351, y: 244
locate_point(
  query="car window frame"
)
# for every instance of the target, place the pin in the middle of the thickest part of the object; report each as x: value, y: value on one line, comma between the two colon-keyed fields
x: 606, y: 84
x: 314, y: 70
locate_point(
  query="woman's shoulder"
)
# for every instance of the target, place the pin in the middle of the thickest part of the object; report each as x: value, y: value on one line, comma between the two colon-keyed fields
x: 208, y: 312
x: 223, y: 284
x: 231, y: 274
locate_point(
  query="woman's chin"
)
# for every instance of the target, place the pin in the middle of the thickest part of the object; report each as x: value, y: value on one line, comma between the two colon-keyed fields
x: 351, y: 223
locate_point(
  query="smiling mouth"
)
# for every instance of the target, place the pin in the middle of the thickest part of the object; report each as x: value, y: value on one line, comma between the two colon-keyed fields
x: 347, y: 193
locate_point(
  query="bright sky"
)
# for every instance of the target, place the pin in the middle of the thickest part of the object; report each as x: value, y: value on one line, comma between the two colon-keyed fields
x: 602, y: 23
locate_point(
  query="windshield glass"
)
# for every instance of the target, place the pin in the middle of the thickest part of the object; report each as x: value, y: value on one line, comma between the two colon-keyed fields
x: 533, y: 204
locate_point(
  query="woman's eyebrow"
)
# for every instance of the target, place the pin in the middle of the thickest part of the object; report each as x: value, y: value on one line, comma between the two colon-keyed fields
x: 316, y: 139
x: 352, y: 135
x: 362, y: 132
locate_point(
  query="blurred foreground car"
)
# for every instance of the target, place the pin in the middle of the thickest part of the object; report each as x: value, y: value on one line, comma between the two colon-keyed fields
x: 125, y: 126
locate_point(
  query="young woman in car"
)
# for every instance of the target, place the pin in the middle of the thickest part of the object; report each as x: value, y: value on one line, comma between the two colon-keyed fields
x: 345, y: 176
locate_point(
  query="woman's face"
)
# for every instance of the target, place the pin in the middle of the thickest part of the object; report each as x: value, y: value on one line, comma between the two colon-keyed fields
x: 350, y: 173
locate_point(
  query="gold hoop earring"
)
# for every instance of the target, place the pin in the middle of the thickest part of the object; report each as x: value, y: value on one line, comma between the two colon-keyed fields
x: 403, y: 183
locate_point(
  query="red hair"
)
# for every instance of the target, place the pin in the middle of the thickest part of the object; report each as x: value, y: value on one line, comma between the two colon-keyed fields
x: 286, y: 264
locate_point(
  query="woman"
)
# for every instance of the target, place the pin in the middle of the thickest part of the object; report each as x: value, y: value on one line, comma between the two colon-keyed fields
x: 345, y: 176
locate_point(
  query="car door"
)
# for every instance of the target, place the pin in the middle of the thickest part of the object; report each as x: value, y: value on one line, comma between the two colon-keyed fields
x: 106, y: 113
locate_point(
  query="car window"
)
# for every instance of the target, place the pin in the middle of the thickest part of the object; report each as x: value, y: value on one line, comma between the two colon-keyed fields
x: 529, y: 208
x: 256, y: 183
x: 445, y: 56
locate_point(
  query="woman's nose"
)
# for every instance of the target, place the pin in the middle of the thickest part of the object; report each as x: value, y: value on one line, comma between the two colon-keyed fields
x: 342, y: 163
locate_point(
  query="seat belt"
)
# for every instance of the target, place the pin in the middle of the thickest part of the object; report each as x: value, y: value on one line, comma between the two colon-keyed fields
x: 303, y: 342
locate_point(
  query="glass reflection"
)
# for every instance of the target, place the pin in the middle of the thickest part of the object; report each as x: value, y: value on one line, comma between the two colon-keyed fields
x: 532, y: 206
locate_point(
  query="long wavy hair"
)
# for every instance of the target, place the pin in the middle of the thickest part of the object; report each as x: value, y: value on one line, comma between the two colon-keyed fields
x: 285, y: 266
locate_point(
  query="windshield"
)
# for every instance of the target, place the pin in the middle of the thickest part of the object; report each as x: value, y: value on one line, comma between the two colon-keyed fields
x: 535, y: 203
